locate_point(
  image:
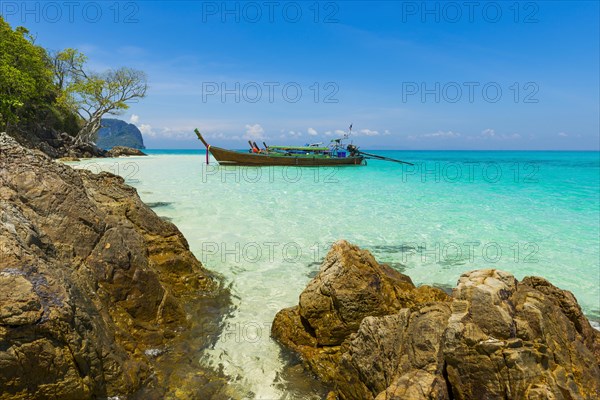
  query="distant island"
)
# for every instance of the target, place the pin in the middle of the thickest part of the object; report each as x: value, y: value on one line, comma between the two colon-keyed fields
x: 115, y: 132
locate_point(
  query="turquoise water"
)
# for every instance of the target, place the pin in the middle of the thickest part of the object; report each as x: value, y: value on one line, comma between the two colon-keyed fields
x: 267, y: 229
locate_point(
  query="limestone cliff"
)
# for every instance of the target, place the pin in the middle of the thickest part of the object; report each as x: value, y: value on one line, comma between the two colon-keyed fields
x: 115, y: 132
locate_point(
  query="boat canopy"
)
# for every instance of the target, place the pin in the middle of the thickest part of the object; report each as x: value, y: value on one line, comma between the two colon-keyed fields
x: 301, y: 148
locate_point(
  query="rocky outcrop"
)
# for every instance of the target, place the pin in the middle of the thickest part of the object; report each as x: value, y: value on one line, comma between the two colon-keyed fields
x: 57, y: 145
x: 69, y: 159
x: 97, y: 293
x: 118, y: 151
x: 115, y: 132
x: 369, y: 332
x: 350, y: 286
x: 510, y: 339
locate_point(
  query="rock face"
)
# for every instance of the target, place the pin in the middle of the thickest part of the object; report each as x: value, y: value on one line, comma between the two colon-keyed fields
x: 118, y: 151
x: 94, y: 287
x: 115, y: 132
x: 369, y: 332
x: 122, y: 138
x: 57, y: 145
x: 350, y: 286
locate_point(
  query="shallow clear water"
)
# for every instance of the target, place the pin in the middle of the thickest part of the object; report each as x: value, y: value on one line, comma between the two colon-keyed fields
x: 267, y: 229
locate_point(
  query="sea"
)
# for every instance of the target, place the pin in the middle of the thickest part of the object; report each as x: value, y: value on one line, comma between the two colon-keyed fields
x: 266, y: 230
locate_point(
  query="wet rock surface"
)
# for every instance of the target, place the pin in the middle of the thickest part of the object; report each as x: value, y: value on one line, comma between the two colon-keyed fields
x: 371, y: 334
x: 99, y: 297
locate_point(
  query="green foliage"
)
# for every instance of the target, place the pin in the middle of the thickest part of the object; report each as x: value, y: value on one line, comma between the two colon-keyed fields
x: 55, y: 90
x: 28, y: 93
x: 25, y: 75
x: 94, y: 95
x: 67, y: 64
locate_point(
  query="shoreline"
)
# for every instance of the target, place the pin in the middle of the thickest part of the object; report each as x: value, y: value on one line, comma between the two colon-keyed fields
x: 294, y: 373
x: 594, y: 320
x: 100, y: 297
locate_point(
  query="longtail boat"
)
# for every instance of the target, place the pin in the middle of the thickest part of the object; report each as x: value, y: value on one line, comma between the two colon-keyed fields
x: 311, y: 155
x: 336, y: 154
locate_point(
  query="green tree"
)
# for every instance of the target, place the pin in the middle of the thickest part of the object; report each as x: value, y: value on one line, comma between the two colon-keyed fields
x: 106, y: 93
x: 93, y: 95
x: 56, y: 90
x: 26, y: 81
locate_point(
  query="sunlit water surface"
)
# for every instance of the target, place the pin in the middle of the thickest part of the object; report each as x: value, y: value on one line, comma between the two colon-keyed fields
x: 267, y: 229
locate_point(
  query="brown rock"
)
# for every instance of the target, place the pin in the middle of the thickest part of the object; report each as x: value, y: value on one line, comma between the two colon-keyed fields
x: 350, y: 286
x: 416, y: 385
x: 119, y: 151
x: 19, y: 304
x: 54, y: 144
x: 567, y: 302
x: 498, y: 338
x: 410, y: 347
x: 512, y: 340
x: 90, y: 281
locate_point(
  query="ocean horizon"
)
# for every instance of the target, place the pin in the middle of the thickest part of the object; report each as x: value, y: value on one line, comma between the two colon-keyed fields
x: 267, y: 229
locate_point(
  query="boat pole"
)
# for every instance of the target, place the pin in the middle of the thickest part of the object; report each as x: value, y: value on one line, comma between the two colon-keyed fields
x: 378, y: 157
x: 204, y: 142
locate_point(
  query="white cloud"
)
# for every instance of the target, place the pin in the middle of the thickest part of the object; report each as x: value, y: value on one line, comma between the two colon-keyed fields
x: 438, y: 134
x: 386, y: 132
x: 295, y: 134
x: 488, y: 132
x: 442, y: 134
x: 491, y: 134
x: 147, y: 130
x: 254, y: 132
x: 165, y: 132
x: 339, y: 132
x: 369, y: 132
x: 134, y: 119
x: 571, y: 135
x: 216, y: 135
x: 327, y: 133
x: 312, y: 132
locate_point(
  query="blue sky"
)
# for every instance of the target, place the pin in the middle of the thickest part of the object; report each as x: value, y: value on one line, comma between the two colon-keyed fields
x: 408, y: 75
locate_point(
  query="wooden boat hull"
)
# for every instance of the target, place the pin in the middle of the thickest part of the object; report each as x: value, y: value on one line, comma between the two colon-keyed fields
x: 229, y: 157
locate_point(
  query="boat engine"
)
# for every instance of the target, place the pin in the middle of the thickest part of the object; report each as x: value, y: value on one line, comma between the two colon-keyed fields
x: 352, y: 149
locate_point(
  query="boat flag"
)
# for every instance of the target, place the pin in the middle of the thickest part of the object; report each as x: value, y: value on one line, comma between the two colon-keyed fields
x: 349, y: 132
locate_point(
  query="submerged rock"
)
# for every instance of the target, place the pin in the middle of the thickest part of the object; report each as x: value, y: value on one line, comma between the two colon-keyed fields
x: 369, y: 332
x: 92, y: 282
